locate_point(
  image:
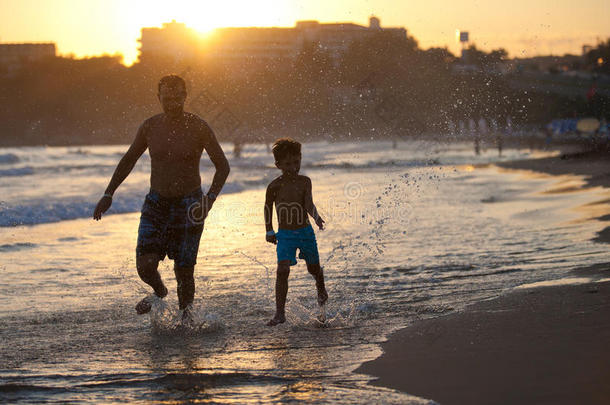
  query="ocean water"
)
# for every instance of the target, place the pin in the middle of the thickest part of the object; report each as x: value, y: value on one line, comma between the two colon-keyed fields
x: 413, y: 232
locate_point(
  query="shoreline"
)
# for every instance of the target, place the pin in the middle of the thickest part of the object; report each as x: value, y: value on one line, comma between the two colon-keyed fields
x: 542, y: 344
x: 538, y: 345
x: 593, y: 166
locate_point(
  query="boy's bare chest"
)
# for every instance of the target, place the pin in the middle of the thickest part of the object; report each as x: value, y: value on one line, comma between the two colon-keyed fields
x: 290, y: 192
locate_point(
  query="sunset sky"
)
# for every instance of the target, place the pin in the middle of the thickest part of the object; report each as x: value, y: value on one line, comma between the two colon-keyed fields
x: 523, y: 27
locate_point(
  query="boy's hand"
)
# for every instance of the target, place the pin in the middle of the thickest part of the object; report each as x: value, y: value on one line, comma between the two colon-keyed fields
x: 271, y: 239
x: 320, y: 223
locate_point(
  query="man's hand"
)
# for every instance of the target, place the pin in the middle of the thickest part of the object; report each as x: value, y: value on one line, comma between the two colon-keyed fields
x: 271, y: 239
x: 320, y: 223
x: 207, y: 205
x: 198, y: 212
x: 101, y: 207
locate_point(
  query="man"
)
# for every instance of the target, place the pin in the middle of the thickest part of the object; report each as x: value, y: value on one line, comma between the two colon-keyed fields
x: 173, y: 212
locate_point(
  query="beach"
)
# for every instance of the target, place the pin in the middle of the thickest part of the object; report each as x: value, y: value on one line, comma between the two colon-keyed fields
x: 539, y: 343
x: 415, y: 232
x: 594, y: 166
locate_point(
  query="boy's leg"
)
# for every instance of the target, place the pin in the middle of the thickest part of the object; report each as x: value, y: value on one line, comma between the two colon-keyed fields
x: 281, y: 290
x: 316, y: 271
x: 186, y: 285
x: 147, y: 266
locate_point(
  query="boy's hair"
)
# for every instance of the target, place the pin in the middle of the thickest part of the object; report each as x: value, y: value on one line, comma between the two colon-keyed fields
x: 284, y: 147
x: 171, y: 81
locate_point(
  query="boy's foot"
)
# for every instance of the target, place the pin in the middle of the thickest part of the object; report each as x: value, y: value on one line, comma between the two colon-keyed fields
x: 145, y: 305
x: 276, y: 320
x: 322, y: 315
x: 322, y: 297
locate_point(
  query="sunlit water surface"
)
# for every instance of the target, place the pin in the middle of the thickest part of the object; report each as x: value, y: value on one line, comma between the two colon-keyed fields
x: 413, y: 232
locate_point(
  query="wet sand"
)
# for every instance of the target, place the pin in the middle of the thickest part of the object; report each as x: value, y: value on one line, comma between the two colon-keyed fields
x: 544, y: 345
x: 594, y: 166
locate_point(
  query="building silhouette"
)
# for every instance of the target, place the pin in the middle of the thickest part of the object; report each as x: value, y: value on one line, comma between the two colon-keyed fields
x: 173, y: 42
x: 14, y: 55
x: 177, y: 43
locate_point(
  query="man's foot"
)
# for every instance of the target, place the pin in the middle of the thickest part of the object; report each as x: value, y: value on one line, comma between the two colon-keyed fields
x: 322, y: 296
x: 276, y: 320
x: 187, y: 316
x: 145, y: 305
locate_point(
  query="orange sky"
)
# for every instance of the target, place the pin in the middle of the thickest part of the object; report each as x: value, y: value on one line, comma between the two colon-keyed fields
x: 523, y: 27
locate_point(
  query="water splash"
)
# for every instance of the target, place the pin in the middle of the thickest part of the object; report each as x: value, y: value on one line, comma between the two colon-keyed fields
x: 167, y: 321
x: 258, y: 262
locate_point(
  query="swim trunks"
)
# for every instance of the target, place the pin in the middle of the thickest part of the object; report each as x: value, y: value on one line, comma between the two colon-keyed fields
x: 166, y: 228
x: 288, y: 240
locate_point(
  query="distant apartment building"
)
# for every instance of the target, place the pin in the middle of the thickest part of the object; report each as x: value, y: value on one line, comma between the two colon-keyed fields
x: 238, y: 44
x: 14, y: 56
x: 173, y: 41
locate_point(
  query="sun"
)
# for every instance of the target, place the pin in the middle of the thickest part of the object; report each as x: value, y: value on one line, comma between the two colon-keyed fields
x: 203, y: 16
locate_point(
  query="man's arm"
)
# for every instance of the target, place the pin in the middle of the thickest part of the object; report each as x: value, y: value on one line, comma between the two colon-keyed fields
x: 269, y: 199
x: 309, y: 205
x: 126, y: 164
x: 128, y: 161
x: 218, y: 158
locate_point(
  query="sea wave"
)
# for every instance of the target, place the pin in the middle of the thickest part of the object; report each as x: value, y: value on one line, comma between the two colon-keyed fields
x: 241, y: 164
x: 62, y: 169
x: 43, y: 210
x: 20, y: 387
x: 8, y: 158
x: 11, y: 247
x: 18, y: 171
x: 374, y: 164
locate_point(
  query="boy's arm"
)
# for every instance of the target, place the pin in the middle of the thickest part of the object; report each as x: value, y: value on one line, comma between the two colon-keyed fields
x: 269, y: 199
x: 309, y: 205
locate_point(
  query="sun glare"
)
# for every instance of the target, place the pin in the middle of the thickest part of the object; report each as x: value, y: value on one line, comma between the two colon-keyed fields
x: 204, y: 16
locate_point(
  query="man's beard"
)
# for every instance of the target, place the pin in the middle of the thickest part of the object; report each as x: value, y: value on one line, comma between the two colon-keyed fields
x: 173, y: 110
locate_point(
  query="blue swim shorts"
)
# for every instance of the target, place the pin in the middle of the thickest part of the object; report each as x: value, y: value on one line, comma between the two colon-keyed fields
x: 288, y: 240
x: 166, y: 228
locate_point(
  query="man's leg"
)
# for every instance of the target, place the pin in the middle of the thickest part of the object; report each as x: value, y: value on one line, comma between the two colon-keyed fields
x: 186, y: 285
x: 281, y: 290
x: 147, y: 266
x: 316, y: 271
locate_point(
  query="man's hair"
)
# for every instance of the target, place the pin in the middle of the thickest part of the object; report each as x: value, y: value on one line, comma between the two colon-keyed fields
x: 284, y: 147
x: 172, y: 81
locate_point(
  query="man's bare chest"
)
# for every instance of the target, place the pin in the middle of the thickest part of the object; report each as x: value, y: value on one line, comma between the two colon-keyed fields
x: 177, y: 145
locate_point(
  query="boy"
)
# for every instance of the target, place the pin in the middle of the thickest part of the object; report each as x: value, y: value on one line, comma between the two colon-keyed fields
x: 291, y: 194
